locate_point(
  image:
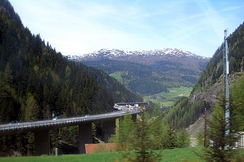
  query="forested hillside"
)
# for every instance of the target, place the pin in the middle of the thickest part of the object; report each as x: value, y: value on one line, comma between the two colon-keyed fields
x: 113, y: 86
x: 37, y: 82
x: 210, y: 84
x: 137, y: 77
x: 148, y: 72
x: 214, y: 69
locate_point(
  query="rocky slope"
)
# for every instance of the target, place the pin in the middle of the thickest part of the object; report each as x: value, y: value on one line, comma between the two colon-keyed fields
x: 210, y: 84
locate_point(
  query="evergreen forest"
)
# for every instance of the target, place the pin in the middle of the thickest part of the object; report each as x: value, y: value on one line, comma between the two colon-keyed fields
x: 37, y: 82
x: 154, y: 76
x: 186, y: 111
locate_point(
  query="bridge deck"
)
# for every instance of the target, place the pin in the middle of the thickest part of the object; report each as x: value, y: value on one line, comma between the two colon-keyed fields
x: 46, y: 124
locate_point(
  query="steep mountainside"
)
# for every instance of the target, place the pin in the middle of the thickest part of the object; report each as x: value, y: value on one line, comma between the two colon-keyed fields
x: 37, y: 82
x: 210, y: 84
x: 148, y: 72
x: 113, y: 86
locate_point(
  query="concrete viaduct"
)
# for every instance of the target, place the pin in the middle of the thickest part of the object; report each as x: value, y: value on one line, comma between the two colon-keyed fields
x: 41, y: 128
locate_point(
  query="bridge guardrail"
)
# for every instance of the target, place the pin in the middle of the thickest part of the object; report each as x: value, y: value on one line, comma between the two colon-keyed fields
x: 50, y: 123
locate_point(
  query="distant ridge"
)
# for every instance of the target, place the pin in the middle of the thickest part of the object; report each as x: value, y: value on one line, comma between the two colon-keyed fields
x: 115, y: 53
x: 148, y: 71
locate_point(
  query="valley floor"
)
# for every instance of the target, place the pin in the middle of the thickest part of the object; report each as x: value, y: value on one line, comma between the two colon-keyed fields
x: 168, y: 98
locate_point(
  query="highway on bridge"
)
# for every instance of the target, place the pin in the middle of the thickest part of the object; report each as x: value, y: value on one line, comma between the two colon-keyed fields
x: 41, y: 128
x: 26, y: 126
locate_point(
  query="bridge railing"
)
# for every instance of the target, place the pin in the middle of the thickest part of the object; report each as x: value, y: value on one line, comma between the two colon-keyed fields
x: 50, y: 123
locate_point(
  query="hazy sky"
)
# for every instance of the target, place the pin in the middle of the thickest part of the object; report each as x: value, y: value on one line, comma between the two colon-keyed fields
x: 76, y: 27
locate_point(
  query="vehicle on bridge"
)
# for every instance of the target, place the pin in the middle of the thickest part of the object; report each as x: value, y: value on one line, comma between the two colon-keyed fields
x: 14, y: 122
x: 56, y: 118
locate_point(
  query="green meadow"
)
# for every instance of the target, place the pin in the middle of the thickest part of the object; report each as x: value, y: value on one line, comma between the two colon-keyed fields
x: 164, y: 98
x: 169, y: 155
x: 117, y: 76
x: 168, y: 98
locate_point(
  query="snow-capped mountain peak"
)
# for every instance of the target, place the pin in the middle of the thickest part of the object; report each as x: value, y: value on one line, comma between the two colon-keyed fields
x: 115, y: 53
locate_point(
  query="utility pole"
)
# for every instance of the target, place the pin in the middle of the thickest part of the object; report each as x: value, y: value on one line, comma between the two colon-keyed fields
x: 227, y: 85
x: 205, y: 128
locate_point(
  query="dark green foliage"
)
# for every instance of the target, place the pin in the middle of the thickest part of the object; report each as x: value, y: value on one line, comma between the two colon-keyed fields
x: 184, y: 113
x: 124, y: 131
x: 158, y: 129
x: 19, y: 144
x: 118, y: 91
x: 141, y: 142
x: 136, y: 77
x: 200, y: 140
x: 147, y: 86
x: 9, y: 105
x: 183, y: 139
x: 69, y: 135
x: 33, y: 79
x: 221, y: 145
x: 214, y: 68
x: 37, y: 82
x: 217, y: 126
x: 171, y: 137
x: 237, y: 94
x: 152, y: 78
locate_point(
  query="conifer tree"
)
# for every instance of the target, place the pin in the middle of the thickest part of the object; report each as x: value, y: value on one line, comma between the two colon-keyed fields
x: 237, y: 95
x: 221, y: 145
x: 8, y: 74
x: 200, y: 140
x: 124, y: 131
x: 170, y: 136
x: 157, y: 129
x: 142, y: 143
x: 183, y: 139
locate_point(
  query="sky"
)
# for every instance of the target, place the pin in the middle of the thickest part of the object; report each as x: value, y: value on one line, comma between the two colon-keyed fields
x: 77, y: 27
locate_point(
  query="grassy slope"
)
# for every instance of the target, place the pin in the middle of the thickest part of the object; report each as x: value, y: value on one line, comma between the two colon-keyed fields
x: 165, y: 98
x: 168, y: 98
x: 173, y: 155
x: 117, y: 76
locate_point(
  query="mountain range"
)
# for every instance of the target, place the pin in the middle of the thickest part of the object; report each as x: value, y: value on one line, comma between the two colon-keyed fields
x: 126, y: 55
x: 148, y: 72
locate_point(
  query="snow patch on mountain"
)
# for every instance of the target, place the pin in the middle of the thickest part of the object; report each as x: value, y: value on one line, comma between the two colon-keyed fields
x: 111, y: 53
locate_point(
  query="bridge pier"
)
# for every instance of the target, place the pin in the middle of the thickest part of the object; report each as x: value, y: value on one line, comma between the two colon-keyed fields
x: 109, y: 128
x: 42, y: 142
x: 134, y: 117
x: 85, y: 136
